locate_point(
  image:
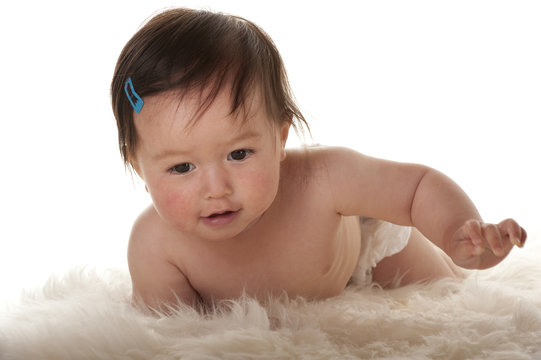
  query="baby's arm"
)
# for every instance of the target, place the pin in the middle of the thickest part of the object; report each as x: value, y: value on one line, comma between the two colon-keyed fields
x: 411, y: 194
x: 156, y: 281
x: 439, y: 203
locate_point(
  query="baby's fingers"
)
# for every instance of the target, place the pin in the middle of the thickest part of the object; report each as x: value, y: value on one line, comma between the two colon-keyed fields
x: 511, y: 229
x: 475, y: 233
x: 494, y: 239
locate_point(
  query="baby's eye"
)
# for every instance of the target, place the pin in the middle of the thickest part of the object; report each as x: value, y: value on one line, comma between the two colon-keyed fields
x: 182, y: 168
x: 239, y: 155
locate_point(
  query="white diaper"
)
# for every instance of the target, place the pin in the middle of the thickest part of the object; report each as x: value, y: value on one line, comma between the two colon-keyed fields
x: 379, y: 239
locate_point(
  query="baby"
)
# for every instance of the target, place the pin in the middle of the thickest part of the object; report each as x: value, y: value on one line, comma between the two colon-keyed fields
x: 204, y: 109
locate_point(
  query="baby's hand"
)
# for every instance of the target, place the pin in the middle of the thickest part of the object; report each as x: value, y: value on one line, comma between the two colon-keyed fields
x: 477, y: 245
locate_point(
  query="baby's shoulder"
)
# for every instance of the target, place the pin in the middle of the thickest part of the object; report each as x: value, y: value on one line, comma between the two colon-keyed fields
x: 318, y: 159
x: 315, y: 167
x: 319, y: 152
x: 145, y: 223
x: 149, y: 233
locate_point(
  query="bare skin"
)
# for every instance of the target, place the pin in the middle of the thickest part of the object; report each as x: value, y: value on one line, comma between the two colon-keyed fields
x: 267, y: 221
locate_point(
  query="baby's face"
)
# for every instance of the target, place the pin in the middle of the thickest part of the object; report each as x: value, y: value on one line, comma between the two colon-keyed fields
x: 210, y: 179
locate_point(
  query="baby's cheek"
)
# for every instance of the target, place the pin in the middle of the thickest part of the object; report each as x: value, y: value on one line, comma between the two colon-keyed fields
x: 262, y: 186
x: 178, y: 202
x: 173, y: 206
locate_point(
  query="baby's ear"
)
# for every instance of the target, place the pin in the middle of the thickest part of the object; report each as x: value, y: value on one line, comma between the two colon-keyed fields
x: 284, y: 133
x: 135, y: 166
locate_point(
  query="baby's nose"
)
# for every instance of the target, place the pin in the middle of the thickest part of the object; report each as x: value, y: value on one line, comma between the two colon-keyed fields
x: 218, y: 184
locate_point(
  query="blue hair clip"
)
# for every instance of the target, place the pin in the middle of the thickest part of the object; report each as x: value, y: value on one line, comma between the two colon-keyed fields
x: 133, y: 97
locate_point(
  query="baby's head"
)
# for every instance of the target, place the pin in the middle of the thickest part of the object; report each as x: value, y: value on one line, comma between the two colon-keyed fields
x: 199, y: 52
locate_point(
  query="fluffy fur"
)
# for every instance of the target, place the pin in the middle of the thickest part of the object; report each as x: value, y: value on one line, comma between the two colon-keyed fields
x: 86, y: 314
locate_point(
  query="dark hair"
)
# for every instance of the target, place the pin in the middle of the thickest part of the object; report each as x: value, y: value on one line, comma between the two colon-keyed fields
x: 186, y: 50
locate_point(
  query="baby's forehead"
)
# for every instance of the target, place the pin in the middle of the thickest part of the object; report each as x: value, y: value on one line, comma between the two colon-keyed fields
x: 190, y: 105
x: 176, y: 110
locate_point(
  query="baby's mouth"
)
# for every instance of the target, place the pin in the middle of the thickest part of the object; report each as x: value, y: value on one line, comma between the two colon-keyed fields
x: 220, y: 218
x: 215, y: 215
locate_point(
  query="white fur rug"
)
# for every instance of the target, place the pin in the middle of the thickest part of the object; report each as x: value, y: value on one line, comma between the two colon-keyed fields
x: 85, y: 314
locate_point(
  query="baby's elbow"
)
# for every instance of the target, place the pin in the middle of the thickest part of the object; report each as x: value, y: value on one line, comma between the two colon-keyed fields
x: 138, y: 302
x: 149, y: 304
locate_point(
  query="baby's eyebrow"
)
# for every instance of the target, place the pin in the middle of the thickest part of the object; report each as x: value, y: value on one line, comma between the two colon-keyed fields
x: 247, y: 135
x: 168, y: 153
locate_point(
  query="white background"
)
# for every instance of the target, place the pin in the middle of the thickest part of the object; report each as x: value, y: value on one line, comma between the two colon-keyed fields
x: 452, y: 84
